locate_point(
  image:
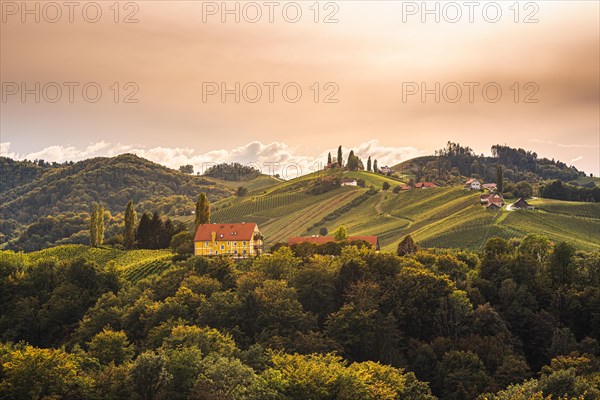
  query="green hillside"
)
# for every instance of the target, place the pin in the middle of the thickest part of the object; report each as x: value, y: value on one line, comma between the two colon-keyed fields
x: 134, y: 264
x: 440, y: 217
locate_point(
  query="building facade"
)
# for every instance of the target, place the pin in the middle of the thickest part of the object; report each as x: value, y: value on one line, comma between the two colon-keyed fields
x: 235, y: 240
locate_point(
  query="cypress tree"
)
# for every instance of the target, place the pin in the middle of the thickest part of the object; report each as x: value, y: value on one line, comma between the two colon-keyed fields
x: 130, y: 219
x: 144, y: 232
x: 202, y: 211
x: 340, y: 155
x: 100, y: 226
x: 94, y: 226
x: 375, y: 169
x: 329, y: 159
x: 156, y: 226
x: 499, y: 178
x: 369, y: 164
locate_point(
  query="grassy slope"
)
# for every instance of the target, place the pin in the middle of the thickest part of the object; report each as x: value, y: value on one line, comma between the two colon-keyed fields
x: 121, y: 259
x: 442, y: 217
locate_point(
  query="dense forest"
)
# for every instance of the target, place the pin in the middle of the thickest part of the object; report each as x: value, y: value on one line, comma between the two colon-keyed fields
x: 454, y: 162
x: 518, y: 320
x: 55, y: 198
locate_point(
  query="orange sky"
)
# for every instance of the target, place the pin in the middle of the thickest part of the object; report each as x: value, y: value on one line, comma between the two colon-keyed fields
x: 370, y: 54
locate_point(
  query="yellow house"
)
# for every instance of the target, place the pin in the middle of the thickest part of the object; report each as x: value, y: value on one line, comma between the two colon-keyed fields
x: 236, y: 240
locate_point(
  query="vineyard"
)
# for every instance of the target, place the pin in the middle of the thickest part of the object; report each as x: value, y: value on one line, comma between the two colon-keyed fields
x: 134, y: 264
x: 236, y: 212
x: 143, y: 269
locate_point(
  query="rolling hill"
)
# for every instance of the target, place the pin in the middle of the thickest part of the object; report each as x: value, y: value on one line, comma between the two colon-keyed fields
x: 441, y: 217
x: 72, y: 188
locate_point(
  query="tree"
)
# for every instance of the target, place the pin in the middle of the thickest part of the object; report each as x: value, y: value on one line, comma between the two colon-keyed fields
x: 94, y: 226
x: 369, y: 164
x: 386, y: 185
x: 186, y: 169
x: 149, y: 375
x: 375, y: 169
x: 144, y: 232
x: 110, y: 346
x: 407, y: 246
x: 323, y: 231
x: 339, y: 157
x: 182, y: 243
x: 499, y: 178
x: 340, y: 234
x: 202, y: 211
x: 130, y: 220
x: 523, y: 189
x: 461, y: 375
x: 241, y: 191
x: 329, y: 159
x: 100, y: 226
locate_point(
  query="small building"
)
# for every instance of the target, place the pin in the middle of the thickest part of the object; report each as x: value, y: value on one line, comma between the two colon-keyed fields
x: 484, y: 198
x: 385, y: 170
x: 349, y: 182
x: 489, y: 186
x: 373, y: 240
x: 493, y: 206
x: 235, y: 240
x: 496, y: 199
x: 473, y: 184
x: 522, y: 205
x: 425, y: 185
x: 405, y: 187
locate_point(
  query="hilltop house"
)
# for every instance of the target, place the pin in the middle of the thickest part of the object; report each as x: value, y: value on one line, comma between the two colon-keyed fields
x: 473, y: 184
x: 489, y: 186
x: 373, y: 240
x: 405, y: 187
x: 522, y: 205
x: 385, y: 170
x: 236, y: 240
x: 495, y: 199
x: 484, y: 198
x: 349, y: 182
x: 425, y: 185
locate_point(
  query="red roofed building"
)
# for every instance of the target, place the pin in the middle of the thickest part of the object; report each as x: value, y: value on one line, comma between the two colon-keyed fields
x: 373, y: 240
x: 237, y: 240
x: 425, y: 185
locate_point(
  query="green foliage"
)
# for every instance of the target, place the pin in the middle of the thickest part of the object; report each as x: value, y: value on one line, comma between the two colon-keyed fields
x: 407, y: 246
x: 33, y: 373
x: 241, y: 191
x: 130, y: 222
x: 110, y: 346
x: 74, y: 187
x: 232, y: 172
x: 340, y: 234
x: 149, y: 375
x: 202, y: 211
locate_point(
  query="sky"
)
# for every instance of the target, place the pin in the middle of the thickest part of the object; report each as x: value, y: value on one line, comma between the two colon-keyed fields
x: 183, y: 82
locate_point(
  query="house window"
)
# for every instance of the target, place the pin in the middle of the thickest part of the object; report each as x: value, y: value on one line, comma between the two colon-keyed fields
x: 216, y: 251
x: 244, y: 243
x: 222, y: 247
x: 244, y: 251
x: 235, y: 252
x: 205, y: 244
x: 210, y: 252
x: 228, y: 243
x: 235, y: 244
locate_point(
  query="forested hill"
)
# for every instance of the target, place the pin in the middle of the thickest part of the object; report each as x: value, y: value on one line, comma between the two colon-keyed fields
x: 454, y: 162
x: 34, y: 190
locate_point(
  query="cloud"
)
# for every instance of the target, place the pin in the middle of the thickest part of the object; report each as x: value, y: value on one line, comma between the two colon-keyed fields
x: 577, y: 159
x: 563, y: 145
x: 271, y: 158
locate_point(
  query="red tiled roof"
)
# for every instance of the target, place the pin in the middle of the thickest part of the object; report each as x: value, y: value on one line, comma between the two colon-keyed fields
x: 326, y: 239
x: 348, y: 180
x: 243, y: 231
x: 470, y: 181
